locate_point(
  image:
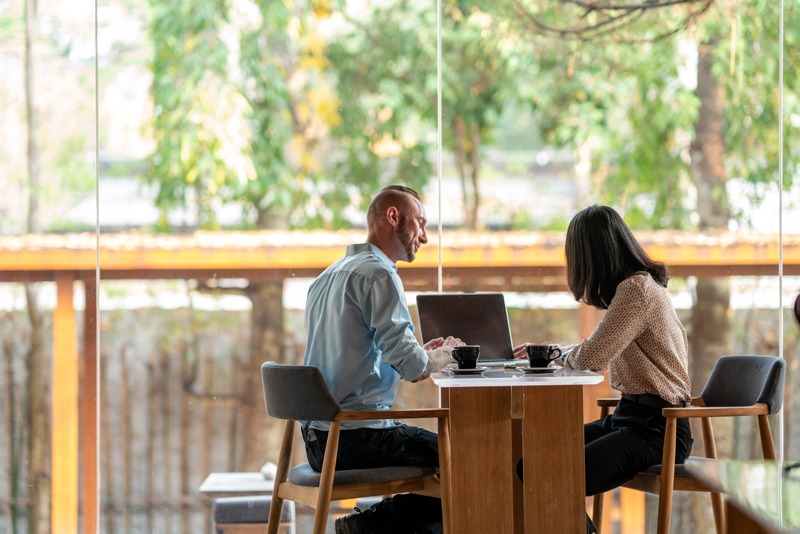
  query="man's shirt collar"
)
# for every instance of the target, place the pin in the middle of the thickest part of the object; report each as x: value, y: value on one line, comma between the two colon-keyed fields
x: 364, y: 247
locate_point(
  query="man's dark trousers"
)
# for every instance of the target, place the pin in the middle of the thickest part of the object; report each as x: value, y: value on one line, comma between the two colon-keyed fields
x: 368, y: 448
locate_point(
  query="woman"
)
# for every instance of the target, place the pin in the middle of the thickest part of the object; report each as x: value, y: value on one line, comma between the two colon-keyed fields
x: 640, y: 341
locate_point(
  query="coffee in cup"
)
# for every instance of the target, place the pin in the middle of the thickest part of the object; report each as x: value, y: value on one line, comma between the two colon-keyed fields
x: 542, y: 355
x: 467, y: 356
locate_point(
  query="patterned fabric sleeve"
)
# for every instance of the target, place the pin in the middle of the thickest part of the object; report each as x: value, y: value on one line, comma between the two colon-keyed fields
x: 624, y: 321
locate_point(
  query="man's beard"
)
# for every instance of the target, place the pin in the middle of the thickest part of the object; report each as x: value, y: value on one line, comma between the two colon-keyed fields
x: 406, y: 238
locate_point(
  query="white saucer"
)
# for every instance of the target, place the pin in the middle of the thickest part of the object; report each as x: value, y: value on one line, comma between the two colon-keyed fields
x: 476, y: 371
x: 538, y: 370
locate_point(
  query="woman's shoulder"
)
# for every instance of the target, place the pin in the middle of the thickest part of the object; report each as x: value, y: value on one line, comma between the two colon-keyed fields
x: 640, y: 279
x: 639, y: 284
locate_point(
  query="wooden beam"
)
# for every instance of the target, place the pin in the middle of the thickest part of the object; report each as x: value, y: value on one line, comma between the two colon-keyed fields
x: 88, y: 422
x: 720, y: 252
x: 64, y: 482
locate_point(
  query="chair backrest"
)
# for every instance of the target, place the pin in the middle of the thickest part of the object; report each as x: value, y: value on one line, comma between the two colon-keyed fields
x: 746, y: 380
x: 297, y: 392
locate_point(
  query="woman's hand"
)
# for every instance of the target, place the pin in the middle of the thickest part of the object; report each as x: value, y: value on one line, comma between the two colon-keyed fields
x: 520, y: 351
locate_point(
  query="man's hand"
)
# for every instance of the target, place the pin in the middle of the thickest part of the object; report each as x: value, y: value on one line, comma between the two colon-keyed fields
x: 439, y: 357
x: 433, y: 344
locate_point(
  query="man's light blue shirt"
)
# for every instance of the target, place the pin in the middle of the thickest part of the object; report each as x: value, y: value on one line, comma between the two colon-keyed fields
x: 360, y: 333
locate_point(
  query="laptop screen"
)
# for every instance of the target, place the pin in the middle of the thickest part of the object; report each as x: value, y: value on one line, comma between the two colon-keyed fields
x: 476, y: 318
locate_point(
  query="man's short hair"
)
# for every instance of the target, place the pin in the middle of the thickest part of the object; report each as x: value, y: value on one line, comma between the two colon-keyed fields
x: 388, y: 196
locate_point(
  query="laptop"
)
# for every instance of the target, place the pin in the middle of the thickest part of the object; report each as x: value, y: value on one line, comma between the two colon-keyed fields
x: 475, y: 318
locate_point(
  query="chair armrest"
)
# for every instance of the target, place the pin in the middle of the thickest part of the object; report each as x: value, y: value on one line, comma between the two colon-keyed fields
x: 353, y: 415
x: 721, y: 411
x: 607, y: 402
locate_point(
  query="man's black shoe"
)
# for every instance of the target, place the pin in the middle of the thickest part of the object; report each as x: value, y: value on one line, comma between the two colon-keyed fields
x: 350, y: 524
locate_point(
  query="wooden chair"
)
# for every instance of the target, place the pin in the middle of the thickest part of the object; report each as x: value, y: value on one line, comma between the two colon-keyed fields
x: 738, y: 386
x: 299, y: 393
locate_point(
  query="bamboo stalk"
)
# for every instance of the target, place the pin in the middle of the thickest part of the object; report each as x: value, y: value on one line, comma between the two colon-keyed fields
x: 184, y: 423
x: 126, y: 434
x: 208, y: 371
x: 165, y: 427
x: 233, y: 415
x: 105, y: 436
x: 151, y: 438
x: 10, y: 424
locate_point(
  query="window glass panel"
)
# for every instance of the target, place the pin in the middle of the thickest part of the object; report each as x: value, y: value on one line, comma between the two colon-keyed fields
x: 548, y: 111
x: 241, y: 145
x: 47, y: 259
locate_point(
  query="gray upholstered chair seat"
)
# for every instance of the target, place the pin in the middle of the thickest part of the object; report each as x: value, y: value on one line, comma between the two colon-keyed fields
x: 303, y: 475
x: 680, y: 469
x: 251, y: 509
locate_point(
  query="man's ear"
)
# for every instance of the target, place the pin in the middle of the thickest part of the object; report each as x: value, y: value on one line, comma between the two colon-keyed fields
x: 393, y: 216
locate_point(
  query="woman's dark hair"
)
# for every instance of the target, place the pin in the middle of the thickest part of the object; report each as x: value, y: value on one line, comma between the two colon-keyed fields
x: 602, y: 252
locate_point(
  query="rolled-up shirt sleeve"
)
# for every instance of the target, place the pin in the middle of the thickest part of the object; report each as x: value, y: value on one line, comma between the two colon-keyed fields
x: 386, y: 314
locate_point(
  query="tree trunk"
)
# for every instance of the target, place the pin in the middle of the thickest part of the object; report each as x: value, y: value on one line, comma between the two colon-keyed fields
x: 583, y: 174
x: 34, y: 225
x: 710, y: 336
x: 461, y: 164
x: 708, y: 147
x: 475, y: 163
x: 260, y: 433
x: 38, y: 406
x: 710, y: 328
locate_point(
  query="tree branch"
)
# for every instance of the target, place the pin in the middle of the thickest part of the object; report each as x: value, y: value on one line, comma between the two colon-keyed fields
x: 613, y: 21
x: 631, y: 7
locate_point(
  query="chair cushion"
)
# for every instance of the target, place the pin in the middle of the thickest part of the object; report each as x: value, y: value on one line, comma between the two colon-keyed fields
x: 251, y: 509
x: 303, y: 475
x: 680, y: 469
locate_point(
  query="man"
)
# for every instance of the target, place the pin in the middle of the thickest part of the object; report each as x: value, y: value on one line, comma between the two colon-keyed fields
x: 361, y: 338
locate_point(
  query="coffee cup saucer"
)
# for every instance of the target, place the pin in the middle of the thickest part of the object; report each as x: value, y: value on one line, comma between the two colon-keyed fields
x: 538, y: 370
x: 477, y: 371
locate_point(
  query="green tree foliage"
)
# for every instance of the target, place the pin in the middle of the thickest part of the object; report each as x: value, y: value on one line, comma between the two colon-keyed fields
x: 386, y: 67
x: 197, y: 118
x: 627, y: 99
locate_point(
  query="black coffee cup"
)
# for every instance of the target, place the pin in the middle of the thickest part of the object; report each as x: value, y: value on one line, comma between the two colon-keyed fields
x: 542, y: 355
x: 467, y: 356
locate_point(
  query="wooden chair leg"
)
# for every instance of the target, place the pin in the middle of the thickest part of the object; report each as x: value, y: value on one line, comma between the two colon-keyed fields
x: 710, y: 451
x: 767, y: 446
x: 284, y: 457
x: 667, y: 477
x: 598, y: 502
x: 326, y: 479
x: 719, y: 512
x: 444, y: 473
x: 597, y: 511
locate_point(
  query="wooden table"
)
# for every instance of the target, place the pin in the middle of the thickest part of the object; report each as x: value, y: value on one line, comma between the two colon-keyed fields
x: 760, y: 498
x: 499, y: 417
x: 236, y: 485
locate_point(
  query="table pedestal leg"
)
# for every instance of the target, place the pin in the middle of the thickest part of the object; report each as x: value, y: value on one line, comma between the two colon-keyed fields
x: 555, y: 484
x: 482, y: 466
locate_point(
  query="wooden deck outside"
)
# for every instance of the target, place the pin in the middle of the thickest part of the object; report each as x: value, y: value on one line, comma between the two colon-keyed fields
x: 474, y: 261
